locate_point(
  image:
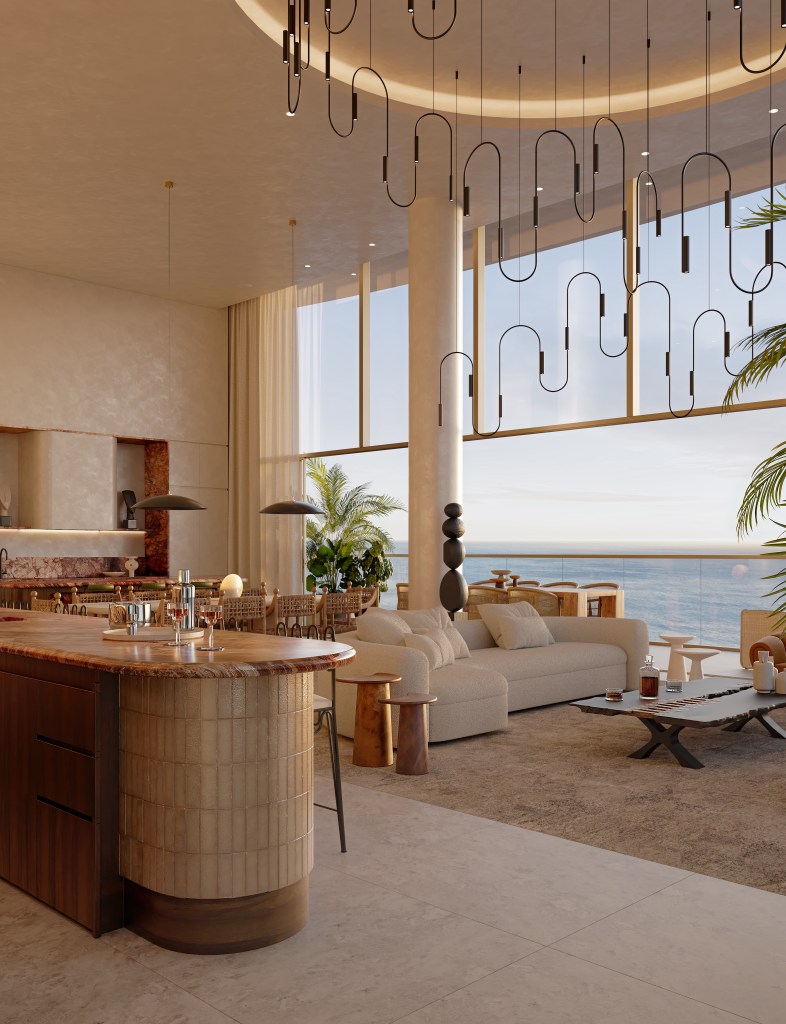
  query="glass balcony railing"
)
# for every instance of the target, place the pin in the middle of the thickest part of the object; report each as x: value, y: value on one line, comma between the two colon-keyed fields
x: 700, y: 595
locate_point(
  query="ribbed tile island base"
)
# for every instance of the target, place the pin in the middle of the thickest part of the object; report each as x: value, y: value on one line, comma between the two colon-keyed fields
x: 200, y: 762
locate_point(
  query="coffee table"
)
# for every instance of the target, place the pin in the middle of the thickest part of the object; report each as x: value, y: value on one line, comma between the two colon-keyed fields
x: 722, y: 703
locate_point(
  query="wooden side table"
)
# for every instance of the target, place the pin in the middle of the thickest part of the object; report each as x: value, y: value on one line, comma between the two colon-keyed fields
x: 373, y: 745
x: 412, y: 749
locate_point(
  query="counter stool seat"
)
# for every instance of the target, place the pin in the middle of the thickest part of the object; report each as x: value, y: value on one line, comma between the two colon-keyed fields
x: 412, y: 747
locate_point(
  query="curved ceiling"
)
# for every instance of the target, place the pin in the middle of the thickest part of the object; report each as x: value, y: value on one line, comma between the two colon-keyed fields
x: 107, y: 100
x: 516, y: 33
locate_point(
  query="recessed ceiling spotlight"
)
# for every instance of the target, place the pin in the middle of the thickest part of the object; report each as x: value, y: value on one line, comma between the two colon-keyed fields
x: 648, y: 184
x: 646, y: 152
x: 307, y: 266
x: 371, y: 245
x: 353, y: 274
x: 774, y: 110
x: 539, y: 188
x: 290, y: 113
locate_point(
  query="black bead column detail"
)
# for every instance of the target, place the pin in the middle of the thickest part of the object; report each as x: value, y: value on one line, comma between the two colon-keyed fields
x: 453, y: 591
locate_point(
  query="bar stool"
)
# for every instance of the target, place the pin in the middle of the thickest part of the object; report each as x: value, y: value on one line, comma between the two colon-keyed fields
x: 325, y: 712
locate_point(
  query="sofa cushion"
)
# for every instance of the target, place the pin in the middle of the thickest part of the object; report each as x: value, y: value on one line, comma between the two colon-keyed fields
x: 380, y: 626
x: 437, y: 618
x: 434, y: 644
x: 465, y: 682
x: 556, y: 660
x: 514, y: 626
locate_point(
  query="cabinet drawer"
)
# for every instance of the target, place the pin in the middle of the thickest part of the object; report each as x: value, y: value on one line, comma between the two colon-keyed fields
x: 65, y: 777
x: 66, y: 715
x: 65, y: 863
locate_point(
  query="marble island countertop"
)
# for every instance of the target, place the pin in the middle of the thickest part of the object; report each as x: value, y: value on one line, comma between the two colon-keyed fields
x: 77, y: 640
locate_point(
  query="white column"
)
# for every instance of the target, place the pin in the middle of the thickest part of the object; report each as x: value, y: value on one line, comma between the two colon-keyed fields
x: 435, y: 476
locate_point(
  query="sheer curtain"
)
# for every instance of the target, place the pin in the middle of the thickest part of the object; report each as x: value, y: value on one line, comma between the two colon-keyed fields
x: 264, y: 441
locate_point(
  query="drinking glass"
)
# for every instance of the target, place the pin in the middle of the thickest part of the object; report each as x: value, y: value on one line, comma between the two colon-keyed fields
x: 210, y: 614
x: 176, y: 611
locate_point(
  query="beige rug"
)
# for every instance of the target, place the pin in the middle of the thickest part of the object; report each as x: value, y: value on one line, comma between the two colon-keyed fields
x: 564, y: 772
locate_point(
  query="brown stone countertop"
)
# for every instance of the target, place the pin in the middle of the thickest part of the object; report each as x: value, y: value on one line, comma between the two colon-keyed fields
x: 78, y: 640
x: 138, y: 582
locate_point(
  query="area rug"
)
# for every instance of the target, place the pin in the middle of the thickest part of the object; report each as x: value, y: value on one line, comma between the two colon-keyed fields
x: 560, y: 771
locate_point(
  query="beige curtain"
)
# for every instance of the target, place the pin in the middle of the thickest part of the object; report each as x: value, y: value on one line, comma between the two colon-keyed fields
x: 264, y: 441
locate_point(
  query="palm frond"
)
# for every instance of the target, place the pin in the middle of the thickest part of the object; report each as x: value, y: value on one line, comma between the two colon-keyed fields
x: 764, y: 492
x: 761, y: 365
x: 767, y: 213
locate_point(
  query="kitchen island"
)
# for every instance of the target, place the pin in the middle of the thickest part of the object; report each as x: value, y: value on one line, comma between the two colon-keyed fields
x: 161, y: 788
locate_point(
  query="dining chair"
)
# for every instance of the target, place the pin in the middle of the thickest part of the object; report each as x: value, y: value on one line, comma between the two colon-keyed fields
x: 593, y: 603
x: 478, y: 594
x: 51, y: 604
x: 402, y: 596
x: 242, y: 613
x: 561, y: 583
x: 340, y: 611
x: 543, y: 601
x: 297, y: 607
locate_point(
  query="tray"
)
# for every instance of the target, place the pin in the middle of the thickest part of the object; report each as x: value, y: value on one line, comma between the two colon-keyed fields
x: 152, y: 635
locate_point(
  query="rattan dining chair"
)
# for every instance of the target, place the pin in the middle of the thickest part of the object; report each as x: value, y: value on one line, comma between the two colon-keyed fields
x: 479, y: 594
x: 50, y: 604
x: 561, y: 583
x: 297, y: 613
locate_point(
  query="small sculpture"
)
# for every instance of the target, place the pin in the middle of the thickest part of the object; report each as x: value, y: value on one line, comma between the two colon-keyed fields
x: 131, y: 565
x: 453, y: 590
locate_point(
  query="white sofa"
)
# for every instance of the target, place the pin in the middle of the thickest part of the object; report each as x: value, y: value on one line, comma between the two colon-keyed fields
x: 475, y: 694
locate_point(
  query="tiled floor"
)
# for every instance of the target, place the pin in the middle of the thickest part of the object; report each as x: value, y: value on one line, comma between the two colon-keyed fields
x: 432, y: 917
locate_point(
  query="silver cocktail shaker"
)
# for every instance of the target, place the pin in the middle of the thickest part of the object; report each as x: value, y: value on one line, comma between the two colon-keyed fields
x: 184, y: 592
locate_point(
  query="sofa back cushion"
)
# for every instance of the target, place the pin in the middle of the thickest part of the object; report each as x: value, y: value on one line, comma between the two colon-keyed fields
x: 437, y: 618
x: 514, y: 626
x: 380, y: 626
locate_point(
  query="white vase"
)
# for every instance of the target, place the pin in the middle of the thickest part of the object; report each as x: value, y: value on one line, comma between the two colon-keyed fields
x: 764, y: 673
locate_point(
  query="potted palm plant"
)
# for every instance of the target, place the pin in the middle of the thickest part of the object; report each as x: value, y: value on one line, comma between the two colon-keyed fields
x: 764, y: 494
x: 347, y: 545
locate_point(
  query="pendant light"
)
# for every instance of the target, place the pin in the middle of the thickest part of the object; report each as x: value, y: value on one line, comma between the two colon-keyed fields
x: 169, y: 502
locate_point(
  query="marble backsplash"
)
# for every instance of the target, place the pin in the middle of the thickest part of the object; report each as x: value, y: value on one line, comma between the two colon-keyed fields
x: 44, y: 568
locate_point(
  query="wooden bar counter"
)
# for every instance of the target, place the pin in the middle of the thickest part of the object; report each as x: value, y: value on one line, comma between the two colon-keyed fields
x: 164, y: 788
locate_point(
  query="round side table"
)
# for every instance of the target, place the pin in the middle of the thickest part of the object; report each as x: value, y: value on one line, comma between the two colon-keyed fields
x: 373, y: 744
x: 696, y: 656
x: 676, y: 669
x: 412, y: 748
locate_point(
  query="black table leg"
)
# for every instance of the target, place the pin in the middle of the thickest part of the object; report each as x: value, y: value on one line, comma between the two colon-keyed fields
x: 772, y: 727
x: 666, y: 736
x: 759, y: 716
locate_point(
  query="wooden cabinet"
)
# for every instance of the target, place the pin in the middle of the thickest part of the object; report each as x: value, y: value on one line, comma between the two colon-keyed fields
x: 58, y: 788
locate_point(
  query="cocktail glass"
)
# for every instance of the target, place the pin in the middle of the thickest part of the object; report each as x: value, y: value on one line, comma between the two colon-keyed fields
x: 210, y: 614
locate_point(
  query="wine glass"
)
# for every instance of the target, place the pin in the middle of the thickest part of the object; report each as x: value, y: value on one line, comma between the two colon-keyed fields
x: 176, y: 611
x: 210, y: 614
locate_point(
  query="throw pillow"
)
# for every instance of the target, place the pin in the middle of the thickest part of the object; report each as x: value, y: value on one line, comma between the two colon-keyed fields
x: 515, y: 625
x: 423, y: 643
x: 437, y: 618
x: 380, y: 626
x: 440, y: 638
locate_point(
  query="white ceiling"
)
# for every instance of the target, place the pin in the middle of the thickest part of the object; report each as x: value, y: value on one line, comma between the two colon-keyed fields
x: 103, y: 102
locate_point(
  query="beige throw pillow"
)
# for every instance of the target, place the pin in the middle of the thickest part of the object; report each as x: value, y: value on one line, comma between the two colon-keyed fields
x: 434, y: 644
x: 437, y: 618
x: 380, y: 626
x: 514, y: 626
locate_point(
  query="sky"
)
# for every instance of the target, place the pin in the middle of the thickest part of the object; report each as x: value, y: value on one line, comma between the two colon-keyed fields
x: 673, y: 484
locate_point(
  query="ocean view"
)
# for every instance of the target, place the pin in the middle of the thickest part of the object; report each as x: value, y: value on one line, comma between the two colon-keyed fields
x: 701, y: 595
